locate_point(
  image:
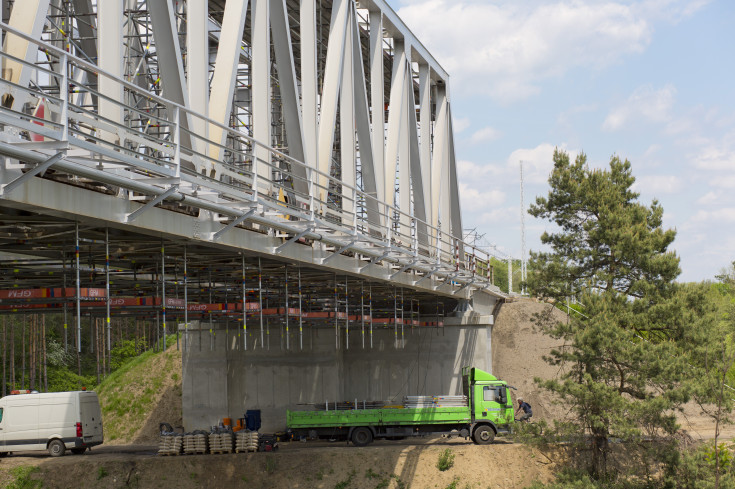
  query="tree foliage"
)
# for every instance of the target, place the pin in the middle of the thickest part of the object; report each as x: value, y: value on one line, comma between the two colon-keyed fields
x: 623, y: 369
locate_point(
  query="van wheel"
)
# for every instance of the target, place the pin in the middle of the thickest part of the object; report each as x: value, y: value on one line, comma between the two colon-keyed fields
x: 4, y: 454
x: 78, y: 451
x: 483, y: 435
x: 56, y: 448
x: 362, y: 437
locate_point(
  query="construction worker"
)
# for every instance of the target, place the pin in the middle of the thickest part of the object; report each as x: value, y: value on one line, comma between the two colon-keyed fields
x: 524, y: 409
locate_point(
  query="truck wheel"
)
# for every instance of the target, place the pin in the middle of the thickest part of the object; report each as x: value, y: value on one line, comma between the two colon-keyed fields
x: 362, y: 437
x: 483, y: 435
x: 56, y: 448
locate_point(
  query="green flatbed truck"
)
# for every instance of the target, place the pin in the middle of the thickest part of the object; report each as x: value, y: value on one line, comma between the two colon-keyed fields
x: 489, y: 411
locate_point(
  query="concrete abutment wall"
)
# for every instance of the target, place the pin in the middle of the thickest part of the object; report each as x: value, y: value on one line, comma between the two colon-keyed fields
x: 221, y: 379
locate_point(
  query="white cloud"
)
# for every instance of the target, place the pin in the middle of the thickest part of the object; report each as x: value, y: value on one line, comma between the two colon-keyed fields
x: 505, y: 49
x: 644, y: 103
x: 716, y: 156
x: 460, y: 124
x: 500, y: 215
x: 724, y: 181
x: 710, y: 198
x: 657, y: 185
x: 652, y: 149
x: 480, y: 173
x: 537, y: 162
x: 673, y: 11
x: 485, y: 134
x: 474, y: 199
x: 725, y: 214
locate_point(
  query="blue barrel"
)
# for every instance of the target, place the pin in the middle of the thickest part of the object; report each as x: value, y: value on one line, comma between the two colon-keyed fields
x: 252, y: 419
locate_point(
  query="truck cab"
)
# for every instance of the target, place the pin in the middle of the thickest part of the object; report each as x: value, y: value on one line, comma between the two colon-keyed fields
x: 490, y: 403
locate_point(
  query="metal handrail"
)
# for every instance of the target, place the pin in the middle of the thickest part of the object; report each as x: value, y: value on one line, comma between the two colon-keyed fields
x: 394, y: 226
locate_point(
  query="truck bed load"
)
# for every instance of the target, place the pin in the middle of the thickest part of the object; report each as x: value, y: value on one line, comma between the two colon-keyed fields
x: 362, y: 417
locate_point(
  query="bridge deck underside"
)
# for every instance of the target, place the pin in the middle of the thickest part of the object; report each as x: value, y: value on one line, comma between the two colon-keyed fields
x: 38, y: 252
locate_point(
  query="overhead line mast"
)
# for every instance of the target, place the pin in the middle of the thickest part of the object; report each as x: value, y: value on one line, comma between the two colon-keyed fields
x: 523, y: 237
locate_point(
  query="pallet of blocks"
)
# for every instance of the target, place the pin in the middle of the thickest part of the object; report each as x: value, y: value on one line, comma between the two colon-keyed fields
x: 246, y: 441
x: 195, y: 443
x: 170, y: 444
x: 220, y: 442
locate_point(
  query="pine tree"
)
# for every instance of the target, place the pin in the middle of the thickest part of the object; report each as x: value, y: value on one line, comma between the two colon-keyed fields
x: 610, y: 252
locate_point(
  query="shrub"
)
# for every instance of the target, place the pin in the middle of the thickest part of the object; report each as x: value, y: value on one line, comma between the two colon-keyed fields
x: 446, y: 460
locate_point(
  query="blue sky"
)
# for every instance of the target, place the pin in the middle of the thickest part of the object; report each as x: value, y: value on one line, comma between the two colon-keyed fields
x: 652, y: 81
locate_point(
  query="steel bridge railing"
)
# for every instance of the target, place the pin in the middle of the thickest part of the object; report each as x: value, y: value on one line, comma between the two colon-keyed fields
x: 153, y: 150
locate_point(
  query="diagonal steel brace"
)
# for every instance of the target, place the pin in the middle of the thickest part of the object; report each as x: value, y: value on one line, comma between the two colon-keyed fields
x: 428, y: 275
x: 341, y: 250
x: 412, y: 263
x: 471, y: 282
x: 376, y: 260
x: 40, y: 168
x: 134, y: 215
x: 293, y: 240
x: 234, y: 223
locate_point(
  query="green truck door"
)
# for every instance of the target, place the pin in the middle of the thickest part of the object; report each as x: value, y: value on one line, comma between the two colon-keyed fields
x: 490, y: 403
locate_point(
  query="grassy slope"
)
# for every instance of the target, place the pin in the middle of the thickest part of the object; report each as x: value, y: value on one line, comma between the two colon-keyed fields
x: 131, y: 394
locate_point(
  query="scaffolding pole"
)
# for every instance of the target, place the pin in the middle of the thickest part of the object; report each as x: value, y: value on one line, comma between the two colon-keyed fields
x: 347, y: 316
x: 370, y: 299
x: 186, y: 309
x: 336, y: 310
x: 288, y: 343
x: 260, y: 301
x: 301, y: 338
x: 362, y: 313
x: 244, y: 309
x: 163, y: 294
x: 78, y: 291
x: 107, y: 292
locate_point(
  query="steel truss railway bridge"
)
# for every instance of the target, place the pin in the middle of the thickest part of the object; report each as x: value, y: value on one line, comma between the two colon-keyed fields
x: 280, y: 170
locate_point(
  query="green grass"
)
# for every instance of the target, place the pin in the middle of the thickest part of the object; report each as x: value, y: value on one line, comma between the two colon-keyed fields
x: 453, y: 484
x: 383, y: 484
x: 22, y: 478
x: 346, y: 483
x: 129, y: 392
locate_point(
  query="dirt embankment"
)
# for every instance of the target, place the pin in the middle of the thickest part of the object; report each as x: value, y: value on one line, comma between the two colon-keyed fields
x: 519, y: 348
x: 140, y: 396
x: 385, y: 465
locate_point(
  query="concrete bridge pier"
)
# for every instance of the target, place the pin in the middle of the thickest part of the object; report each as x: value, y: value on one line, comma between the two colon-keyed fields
x: 222, y: 379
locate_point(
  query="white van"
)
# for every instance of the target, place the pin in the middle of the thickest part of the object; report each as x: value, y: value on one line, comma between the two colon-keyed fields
x: 50, y: 421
